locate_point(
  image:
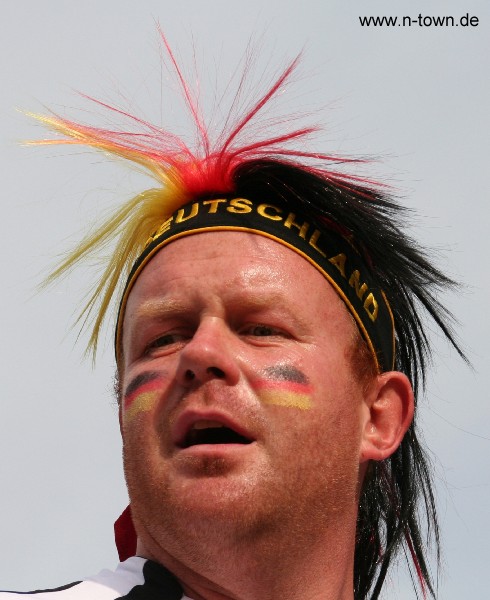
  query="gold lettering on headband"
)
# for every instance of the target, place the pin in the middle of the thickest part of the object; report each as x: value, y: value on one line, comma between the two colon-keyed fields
x: 213, y: 208
x: 314, y: 240
x: 339, y: 262
x: 180, y: 218
x: 371, y: 307
x: 165, y: 226
x: 262, y: 210
x: 240, y: 206
x: 354, y: 282
x: 370, y: 303
x: 290, y: 222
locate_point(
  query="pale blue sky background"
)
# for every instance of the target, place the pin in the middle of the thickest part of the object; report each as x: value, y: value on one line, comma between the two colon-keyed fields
x: 417, y: 97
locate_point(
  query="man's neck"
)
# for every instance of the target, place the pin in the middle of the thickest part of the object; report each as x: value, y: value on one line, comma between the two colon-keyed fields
x: 297, y: 568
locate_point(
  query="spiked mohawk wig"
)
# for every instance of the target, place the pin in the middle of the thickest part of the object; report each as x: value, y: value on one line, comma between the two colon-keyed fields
x: 356, y: 213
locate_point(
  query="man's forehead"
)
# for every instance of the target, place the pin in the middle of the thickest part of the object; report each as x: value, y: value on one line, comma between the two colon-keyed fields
x: 238, y: 255
x: 238, y: 265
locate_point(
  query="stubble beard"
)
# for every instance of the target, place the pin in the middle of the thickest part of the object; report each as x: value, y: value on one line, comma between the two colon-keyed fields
x: 259, y: 511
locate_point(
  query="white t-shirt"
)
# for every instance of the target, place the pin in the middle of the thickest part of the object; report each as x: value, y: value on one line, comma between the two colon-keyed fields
x: 134, y: 579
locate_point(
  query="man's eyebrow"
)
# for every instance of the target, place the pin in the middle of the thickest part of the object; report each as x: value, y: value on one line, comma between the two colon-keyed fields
x: 159, y: 307
x: 272, y: 301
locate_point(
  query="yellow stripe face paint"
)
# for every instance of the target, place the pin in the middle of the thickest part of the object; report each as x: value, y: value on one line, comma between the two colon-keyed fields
x: 141, y: 395
x: 284, y: 393
x: 284, y: 385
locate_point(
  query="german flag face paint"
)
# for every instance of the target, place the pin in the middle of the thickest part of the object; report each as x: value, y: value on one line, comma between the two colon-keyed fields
x: 284, y: 385
x: 141, y: 394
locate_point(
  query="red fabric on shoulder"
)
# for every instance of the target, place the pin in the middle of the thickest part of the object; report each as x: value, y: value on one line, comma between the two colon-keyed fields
x: 125, y: 535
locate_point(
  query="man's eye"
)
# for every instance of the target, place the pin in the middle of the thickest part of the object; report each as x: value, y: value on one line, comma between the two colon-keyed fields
x: 262, y: 331
x: 166, y: 340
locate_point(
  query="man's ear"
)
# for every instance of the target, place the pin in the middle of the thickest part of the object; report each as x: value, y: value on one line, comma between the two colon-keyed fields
x: 389, y: 411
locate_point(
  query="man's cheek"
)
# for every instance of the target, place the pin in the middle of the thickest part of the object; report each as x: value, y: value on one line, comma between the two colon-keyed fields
x: 284, y: 385
x: 141, y: 395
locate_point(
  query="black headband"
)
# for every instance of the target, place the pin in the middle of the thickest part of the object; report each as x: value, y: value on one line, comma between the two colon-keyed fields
x: 331, y: 253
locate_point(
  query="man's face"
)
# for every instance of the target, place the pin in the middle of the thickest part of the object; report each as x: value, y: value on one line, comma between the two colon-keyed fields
x: 240, y: 406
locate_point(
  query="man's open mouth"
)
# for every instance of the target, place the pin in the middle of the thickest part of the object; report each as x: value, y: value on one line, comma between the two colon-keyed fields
x: 212, y: 432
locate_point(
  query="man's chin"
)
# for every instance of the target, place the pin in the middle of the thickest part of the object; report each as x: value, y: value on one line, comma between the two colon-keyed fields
x: 212, y: 485
x: 217, y: 510
x: 205, y: 487
x: 214, y: 491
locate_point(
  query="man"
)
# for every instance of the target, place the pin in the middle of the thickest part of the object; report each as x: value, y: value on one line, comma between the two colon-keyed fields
x: 268, y: 347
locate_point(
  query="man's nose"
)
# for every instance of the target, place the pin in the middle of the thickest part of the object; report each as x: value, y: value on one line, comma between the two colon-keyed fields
x: 208, y: 355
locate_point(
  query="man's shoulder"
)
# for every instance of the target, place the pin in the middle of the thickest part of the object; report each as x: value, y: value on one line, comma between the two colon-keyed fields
x: 129, y: 578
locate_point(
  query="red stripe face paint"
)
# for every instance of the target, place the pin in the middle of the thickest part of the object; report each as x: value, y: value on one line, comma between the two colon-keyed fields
x: 284, y: 385
x: 141, y: 394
